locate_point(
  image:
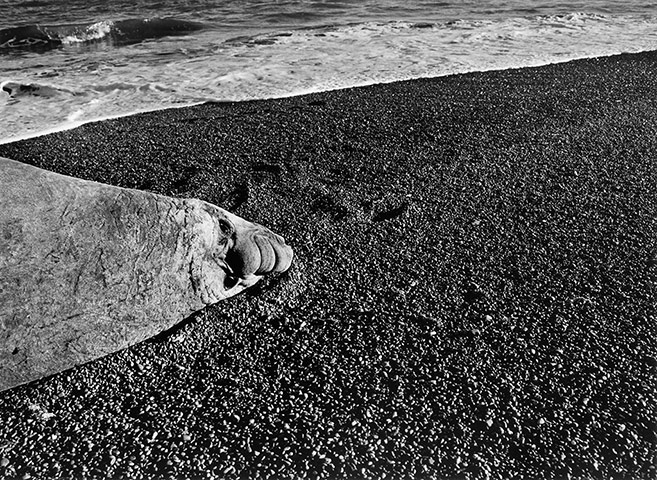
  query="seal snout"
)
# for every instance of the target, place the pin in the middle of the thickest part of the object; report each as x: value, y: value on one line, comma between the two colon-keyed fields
x: 275, y: 256
x: 259, y: 251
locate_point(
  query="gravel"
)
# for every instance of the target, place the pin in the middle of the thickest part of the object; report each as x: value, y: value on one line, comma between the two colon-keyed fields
x: 473, y: 293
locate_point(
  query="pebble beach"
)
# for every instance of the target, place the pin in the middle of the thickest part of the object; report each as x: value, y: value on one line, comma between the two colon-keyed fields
x: 472, y: 295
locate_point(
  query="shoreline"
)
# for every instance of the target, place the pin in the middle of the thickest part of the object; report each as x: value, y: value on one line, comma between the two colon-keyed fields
x: 472, y: 294
x: 69, y: 125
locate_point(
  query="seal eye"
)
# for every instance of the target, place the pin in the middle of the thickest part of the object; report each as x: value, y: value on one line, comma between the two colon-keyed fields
x: 226, y: 227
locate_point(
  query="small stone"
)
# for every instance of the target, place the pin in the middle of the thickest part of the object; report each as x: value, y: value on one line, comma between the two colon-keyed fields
x: 4, y: 462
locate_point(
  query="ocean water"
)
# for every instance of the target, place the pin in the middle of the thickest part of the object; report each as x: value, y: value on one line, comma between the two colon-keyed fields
x: 66, y: 63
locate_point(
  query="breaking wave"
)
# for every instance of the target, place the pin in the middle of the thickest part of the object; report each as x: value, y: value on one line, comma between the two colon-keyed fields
x: 73, y: 85
x: 120, y: 32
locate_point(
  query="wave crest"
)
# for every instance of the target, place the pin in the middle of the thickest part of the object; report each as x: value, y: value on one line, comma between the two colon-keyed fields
x: 88, y: 34
x: 120, y: 32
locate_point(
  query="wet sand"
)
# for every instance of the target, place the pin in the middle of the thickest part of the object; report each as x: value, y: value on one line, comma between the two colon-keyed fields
x: 473, y: 293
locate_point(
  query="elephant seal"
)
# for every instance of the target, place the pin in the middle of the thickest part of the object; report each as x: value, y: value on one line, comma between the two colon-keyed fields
x: 87, y: 269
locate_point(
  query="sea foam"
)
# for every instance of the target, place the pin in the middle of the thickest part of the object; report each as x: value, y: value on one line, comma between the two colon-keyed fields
x: 197, y: 62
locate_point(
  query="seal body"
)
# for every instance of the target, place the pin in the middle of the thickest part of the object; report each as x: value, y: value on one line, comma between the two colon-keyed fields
x: 87, y: 269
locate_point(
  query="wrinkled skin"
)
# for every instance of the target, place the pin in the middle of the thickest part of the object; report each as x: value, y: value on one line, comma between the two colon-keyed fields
x: 87, y: 269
